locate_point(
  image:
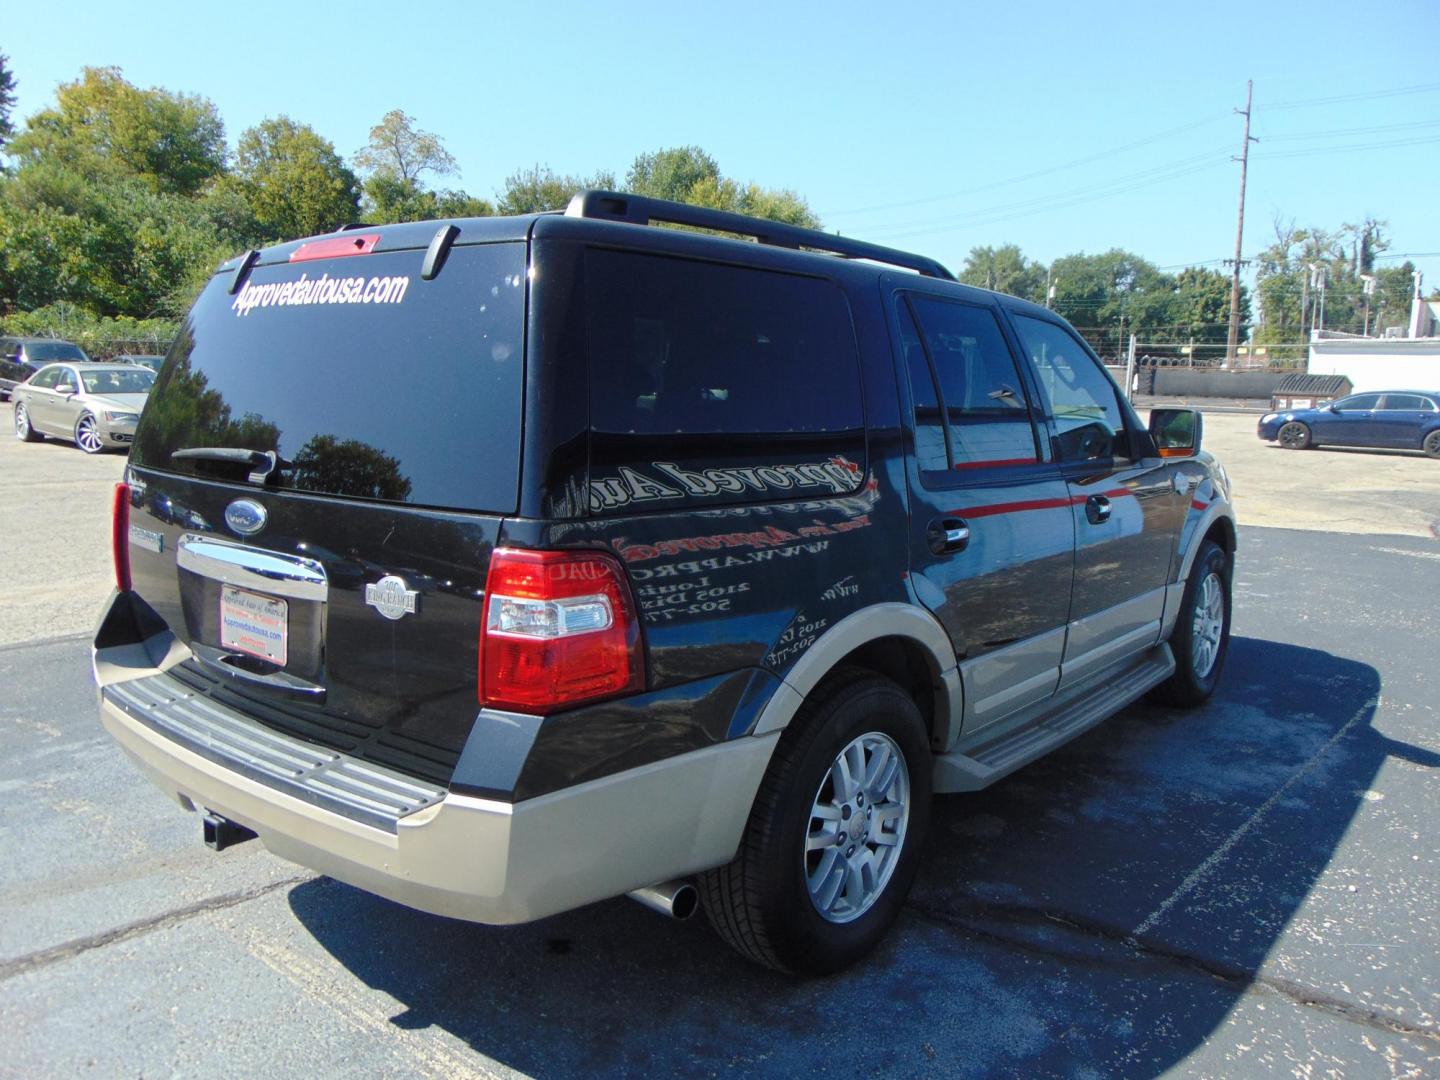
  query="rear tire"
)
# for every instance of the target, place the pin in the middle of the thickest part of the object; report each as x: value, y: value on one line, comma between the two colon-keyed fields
x: 1293, y: 436
x: 1431, y: 445
x: 826, y: 861
x: 1202, y: 633
x: 24, y: 430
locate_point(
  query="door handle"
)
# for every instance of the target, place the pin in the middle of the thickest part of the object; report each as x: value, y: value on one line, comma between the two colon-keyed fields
x: 947, y: 535
x: 1097, y: 509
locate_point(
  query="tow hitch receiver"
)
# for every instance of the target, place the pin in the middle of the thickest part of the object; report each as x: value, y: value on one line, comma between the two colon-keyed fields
x: 221, y: 833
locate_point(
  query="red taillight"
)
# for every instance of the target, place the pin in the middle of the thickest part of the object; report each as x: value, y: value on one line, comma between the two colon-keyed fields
x: 559, y: 628
x: 120, y: 536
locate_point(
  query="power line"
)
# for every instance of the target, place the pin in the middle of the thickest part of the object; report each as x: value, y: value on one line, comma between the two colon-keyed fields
x: 1313, y: 151
x: 1086, y: 160
x: 1368, y: 130
x: 1039, y: 204
x: 1338, y: 99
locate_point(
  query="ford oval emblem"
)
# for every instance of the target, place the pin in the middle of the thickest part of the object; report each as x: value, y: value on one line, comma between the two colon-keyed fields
x: 246, y: 516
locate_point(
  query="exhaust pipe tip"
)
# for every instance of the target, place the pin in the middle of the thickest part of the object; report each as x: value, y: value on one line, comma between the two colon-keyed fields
x: 677, y: 899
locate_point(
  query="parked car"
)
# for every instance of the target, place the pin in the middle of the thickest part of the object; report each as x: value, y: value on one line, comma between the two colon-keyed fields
x: 682, y: 561
x: 21, y: 357
x: 148, y: 360
x: 95, y: 406
x: 1397, y: 419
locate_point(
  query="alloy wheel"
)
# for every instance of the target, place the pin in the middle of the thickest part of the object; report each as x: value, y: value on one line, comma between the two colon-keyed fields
x: 1208, y: 626
x: 87, y: 435
x: 857, y: 827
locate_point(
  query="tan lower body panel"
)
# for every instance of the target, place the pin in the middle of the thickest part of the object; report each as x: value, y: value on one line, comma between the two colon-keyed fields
x: 487, y: 861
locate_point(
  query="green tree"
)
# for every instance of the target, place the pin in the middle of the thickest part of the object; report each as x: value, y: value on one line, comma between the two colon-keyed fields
x: 294, y: 181
x: 102, y: 124
x: 401, y: 151
x: 1290, y: 272
x: 387, y: 198
x: 1394, y: 291
x: 395, y: 160
x: 687, y: 174
x: 459, y: 204
x: 1004, y: 269
x: 7, y: 100
x: 529, y: 191
x: 1200, y: 308
x: 671, y: 173
x: 1095, y: 292
x: 110, y: 243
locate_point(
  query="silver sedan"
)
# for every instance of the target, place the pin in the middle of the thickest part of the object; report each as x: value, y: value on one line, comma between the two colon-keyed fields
x: 95, y: 406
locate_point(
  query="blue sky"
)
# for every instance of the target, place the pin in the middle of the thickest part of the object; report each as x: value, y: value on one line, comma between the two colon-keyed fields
x: 932, y: 126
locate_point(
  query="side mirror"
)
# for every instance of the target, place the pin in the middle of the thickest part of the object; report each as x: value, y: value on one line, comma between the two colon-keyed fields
x: 1176, y: 431
x: 66, y: 389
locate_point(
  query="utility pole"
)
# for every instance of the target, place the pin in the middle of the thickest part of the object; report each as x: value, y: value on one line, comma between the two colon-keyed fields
x: 1369, y: 290
x: 1305, y: 304
x: 1234, y: 336
x: 1319, y: 273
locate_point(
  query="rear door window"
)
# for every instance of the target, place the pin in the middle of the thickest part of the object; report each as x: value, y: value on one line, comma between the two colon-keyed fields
x: 369, y: 382
x: 971, y: 408
x: 717, y: 382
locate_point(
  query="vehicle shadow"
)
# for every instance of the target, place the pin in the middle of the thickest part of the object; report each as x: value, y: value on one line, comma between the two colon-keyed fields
x: 1099, y: 912
x: 1383, y: 451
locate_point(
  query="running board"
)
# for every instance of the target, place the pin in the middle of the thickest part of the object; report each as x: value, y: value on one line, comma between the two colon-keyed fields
x: 1018, y: 740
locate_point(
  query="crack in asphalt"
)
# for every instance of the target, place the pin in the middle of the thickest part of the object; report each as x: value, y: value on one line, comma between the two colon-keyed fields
x: 1146, y: 950
x: 20, y: 965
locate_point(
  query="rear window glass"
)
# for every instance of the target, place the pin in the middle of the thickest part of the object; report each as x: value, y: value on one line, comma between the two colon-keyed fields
x: 367, y: 381
x: 54, y: 350
x: 717, y: 384
x: 683, y: 347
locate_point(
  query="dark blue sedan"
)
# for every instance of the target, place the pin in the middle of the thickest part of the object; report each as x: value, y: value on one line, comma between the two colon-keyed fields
x: 1399, y: 419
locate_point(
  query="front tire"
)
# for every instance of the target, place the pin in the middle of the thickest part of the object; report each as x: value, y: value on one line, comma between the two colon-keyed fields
x: 833, y: 842
x: 87, y: 434
x: 1202, y: 634
x: 1431, y: 445
x: 1294, y: 436
x: 24, y: 430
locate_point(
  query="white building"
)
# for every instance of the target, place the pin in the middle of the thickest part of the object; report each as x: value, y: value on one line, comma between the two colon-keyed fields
x: 1385, y: 363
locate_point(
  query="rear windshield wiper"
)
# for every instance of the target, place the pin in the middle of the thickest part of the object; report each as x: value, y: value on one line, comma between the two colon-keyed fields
x: 265, y: 465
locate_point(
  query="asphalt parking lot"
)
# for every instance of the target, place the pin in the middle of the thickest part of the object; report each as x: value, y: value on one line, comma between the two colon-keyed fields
x: 1249, y: 889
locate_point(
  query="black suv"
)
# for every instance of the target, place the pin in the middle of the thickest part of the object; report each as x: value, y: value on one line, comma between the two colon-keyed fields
x: 510, y: 566
x: 21, y: 357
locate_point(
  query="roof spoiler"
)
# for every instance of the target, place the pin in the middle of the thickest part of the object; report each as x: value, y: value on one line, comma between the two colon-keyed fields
x: 640, y: 210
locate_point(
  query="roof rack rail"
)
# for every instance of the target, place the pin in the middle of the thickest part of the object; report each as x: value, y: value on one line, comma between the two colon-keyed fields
x: 640, y: 210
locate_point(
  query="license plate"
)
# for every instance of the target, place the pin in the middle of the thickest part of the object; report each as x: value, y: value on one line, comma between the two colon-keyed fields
x: 254, y: 624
